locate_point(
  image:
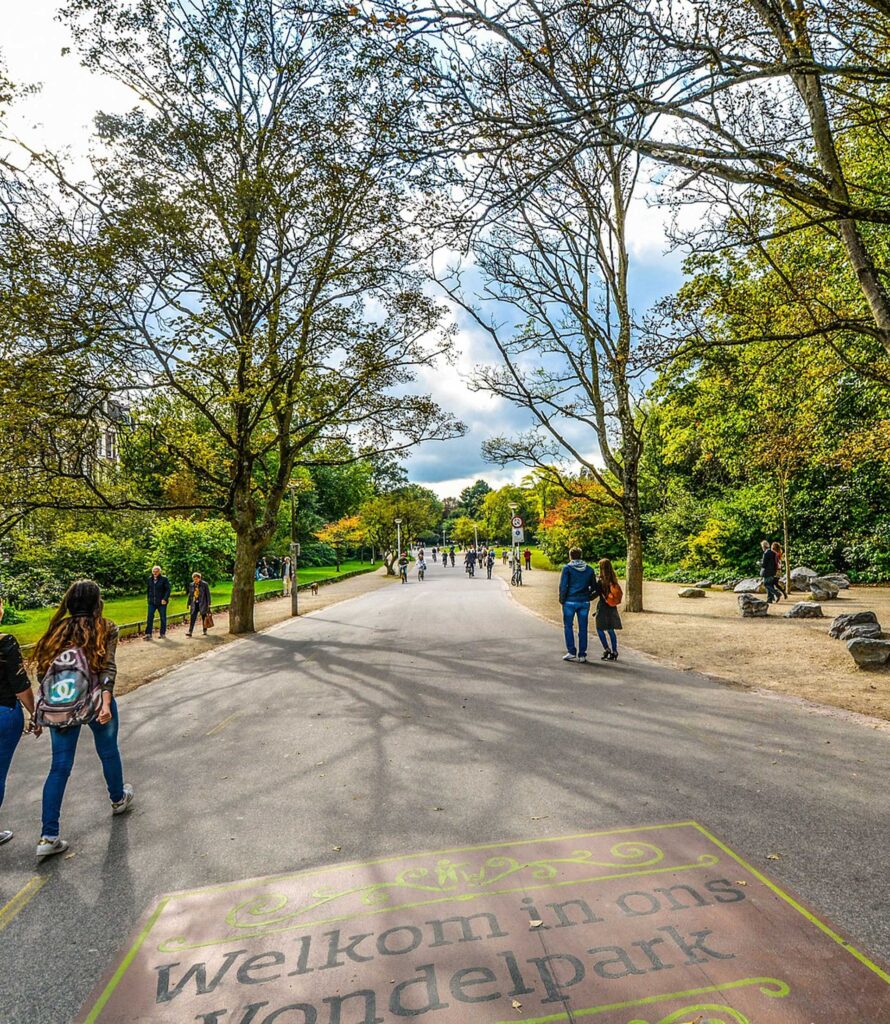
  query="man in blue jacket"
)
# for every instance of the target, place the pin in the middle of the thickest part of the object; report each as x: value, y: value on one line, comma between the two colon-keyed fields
x: 158, y: 598
x: 577, y: 586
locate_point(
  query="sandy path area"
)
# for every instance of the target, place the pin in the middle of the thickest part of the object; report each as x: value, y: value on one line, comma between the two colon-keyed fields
x: 140, y: 661
x: 790, y: 656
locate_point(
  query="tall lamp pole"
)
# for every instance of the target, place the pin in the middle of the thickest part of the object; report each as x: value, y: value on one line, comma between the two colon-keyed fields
x: 476, y: 534
x: 399, y: 539
x: 294, y: 551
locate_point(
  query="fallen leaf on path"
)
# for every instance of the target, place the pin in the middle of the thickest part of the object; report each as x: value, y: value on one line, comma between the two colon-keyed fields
x: 438, y: 808
x: 774, y: 856
x: 741, y: 883
x: 336, y: 849
x: 539, y: 817
x: 70, y: 856
x: 517, y: 1005
x: 535, y: 924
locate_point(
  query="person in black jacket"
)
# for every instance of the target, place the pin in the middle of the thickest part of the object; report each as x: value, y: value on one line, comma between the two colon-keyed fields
x: 15, y: 692
x: 199, y: 602
x: 768, y: 570
x: 158, y: 599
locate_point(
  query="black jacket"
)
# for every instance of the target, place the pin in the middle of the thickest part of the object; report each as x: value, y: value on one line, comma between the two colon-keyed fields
x: 769, y: 563
x: 158, y: 590
x: 202, y: 599
x: 13, y: 677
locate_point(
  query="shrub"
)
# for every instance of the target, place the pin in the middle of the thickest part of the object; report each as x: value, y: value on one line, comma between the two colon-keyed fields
x: 184, y: 546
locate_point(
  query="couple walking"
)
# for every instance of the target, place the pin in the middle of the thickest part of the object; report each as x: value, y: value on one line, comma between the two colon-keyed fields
x: 75, y: 663
x: 578, y: 585
x: 198, y: 602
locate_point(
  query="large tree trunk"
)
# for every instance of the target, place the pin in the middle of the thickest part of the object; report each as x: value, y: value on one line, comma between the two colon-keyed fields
x: 241, y: 608
x: 633, y: 590
x: 389, y: 560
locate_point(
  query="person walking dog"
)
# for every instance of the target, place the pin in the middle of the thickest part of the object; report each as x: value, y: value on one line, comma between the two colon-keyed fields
x: 607, y: 618
x: 158, y: 599
x: 15, y: 693
x: 199, y: 603
x: 76, y: 666
x: 577, y: 585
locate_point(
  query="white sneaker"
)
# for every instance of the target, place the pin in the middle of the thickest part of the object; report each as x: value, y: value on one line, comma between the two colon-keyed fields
x: 49, y: 847
x: 5, y: 837
x: 124, y: 803
x: 569, y: 657
x: 582, y: 658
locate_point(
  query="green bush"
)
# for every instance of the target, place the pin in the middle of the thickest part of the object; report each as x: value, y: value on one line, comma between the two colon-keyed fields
x: 184, y: 546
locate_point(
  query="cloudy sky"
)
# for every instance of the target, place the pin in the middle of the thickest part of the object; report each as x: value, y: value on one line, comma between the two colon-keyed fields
x: 59, y: 116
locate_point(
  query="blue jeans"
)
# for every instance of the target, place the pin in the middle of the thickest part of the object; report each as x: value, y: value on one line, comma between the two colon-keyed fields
x: 601, y: 633
x: 12, y: 721
x: 772, y: 591
x: 569, y: 610
x: 161, y: 609
x: 64, y: 748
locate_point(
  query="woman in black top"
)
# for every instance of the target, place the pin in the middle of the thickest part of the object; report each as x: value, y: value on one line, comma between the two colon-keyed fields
x: 15, y: 691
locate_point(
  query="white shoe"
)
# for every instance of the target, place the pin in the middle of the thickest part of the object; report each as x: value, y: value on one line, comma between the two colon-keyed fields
x: 582, y: 658
x: 49, y: 847
x: 5, y: 837
x: 124, y: 804
x: 569, y: 657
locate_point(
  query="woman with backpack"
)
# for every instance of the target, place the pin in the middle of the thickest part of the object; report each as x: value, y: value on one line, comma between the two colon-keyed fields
x: 198, y: 603
x: 76, y: 666
x: 607, y: 617
x: 15, y: 692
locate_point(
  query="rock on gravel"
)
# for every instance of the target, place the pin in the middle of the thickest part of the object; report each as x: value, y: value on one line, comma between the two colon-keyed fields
x: 801, y: 576
x: 753, y: 585
x: 838, y: 579
x: 866, y: 631
x: 843, y: 622
x: 869, y: 653
x: 805, y: 610
x: 752, y: 607
x: 823, y: 589
x: 704, y: 584
x: 692, y: 592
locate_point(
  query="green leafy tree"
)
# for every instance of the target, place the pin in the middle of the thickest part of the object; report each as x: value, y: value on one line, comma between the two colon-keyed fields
x: 248, y: 230
x: 472, y: 497
x: 184, y: 546
x: 418, y: 509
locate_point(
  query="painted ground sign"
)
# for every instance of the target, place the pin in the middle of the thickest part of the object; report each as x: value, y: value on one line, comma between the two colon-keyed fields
x: 659, y: 925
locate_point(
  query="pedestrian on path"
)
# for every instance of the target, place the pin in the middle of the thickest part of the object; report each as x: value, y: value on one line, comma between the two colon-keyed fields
x: 607, y: 618
x: 287, y: 575
x: 504, y: 557
x: 780, y: 557
x: 76, y: 653
x: 435, y: 552
x: 158, y: 599
x: 768, y: 564
x: 577, y: 586
x: 451, y: 553
x: 198, y: 602
x: 489, y: 562
x: 527, y: 555
x: 15, y: 693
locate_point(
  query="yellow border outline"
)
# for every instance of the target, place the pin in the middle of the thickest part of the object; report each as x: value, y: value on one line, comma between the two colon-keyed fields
x: 115, y: 979
x: 22, y: 898
x: 833, y: 935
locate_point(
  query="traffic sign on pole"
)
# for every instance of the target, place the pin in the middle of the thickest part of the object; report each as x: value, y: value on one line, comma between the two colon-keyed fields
x: 518, y: 535
x: 518, y: 522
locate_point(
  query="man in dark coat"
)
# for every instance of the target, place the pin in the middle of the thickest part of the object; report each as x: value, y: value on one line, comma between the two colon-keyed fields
x: 198, y: 602
x: 158, y: 599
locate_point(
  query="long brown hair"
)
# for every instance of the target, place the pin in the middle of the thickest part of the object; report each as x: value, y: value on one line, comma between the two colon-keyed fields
x: 78, y: 622
x: 607, y: 574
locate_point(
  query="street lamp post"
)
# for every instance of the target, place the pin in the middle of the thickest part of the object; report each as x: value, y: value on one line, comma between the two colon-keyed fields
x: 476, y: 535
x: 399, y: 539
x: 294, y: 549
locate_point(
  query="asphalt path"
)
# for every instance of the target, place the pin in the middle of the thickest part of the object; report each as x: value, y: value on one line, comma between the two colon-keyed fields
x: 425, y: 716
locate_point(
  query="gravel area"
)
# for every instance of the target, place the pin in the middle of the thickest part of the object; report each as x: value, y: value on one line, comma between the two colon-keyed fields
x: 789, y: 656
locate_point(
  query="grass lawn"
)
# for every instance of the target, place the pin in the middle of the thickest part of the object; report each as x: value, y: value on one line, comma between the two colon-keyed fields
x: 133, y: 609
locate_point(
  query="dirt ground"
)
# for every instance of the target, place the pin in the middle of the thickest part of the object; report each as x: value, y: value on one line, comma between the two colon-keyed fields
x: 140, y: 661
x: 790, y: 656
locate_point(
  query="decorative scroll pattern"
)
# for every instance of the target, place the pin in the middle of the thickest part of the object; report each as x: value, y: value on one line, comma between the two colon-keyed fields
x: 444, y: 880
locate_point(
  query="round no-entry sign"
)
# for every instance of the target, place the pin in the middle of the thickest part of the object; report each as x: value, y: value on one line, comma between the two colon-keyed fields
x: 517, y: 522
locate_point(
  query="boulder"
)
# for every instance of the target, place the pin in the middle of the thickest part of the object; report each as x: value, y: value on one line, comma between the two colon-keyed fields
x: 843, y: 622
x: 805, y: 610
x: 800, y: 578
x: 729, y: 586
x: 752, y: 607
x: 753, y: 585
x: 823, y: 589
x: 704, y: 584
x: 838, y: 579
x: 865, y: 631
x: 692, y: 592
x: 869, y: 653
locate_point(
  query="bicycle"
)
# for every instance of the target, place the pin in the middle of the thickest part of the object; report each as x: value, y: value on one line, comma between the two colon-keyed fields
x: 516, y: 578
